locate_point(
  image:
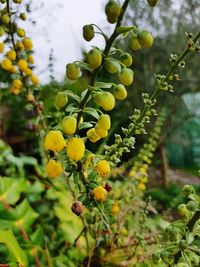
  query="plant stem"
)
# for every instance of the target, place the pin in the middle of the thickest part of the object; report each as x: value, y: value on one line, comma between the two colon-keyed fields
x: 109, y: 44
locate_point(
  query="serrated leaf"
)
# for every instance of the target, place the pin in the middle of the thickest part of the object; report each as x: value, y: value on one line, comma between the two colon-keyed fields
x: 92, y: 112
x: 15, y: 251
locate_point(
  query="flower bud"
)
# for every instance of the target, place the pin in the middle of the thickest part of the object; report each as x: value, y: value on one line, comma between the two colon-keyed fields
x: 108, y: 187
x: 112, y: 11
x: 77, y: 208
x: 88, y: 32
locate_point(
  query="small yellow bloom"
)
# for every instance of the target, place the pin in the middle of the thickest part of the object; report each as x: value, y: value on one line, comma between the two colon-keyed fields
x: 22, y: 64
x: 15, y: 91
x: 92, y: 135
x: 17, y: 83
x: 69, y: 125
x: 6, y: 64
x: 89, y: 159
x: 143, y: 171
x: 21, y: 32
x: 11, y: 54
x: 53, y: 168
x: 144, y: 180
x: 13, y: 70
x: 34, y: 79
x: 103, y: 167
x: 115, y: 208
x: 104, y: 121
x: 76, y: 149
x: 27, y: 43
x: 30, y: 59
x: 30, y: 97
x: 132, y: 173
x: 54, y: 141
x: 2, y: 47
x: 99, y: 193
x: 141, y: 186
x: 101, y: 132
x: 28, y: 72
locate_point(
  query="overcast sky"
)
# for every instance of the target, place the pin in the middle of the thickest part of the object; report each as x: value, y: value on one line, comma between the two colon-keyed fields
x: 60, y: 28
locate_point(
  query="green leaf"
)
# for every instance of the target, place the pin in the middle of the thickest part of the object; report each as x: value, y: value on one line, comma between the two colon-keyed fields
x: 104, y: 85
x: 38, y: 237
x: 16, y: 253
x: 72, y: 95
x: 125, y: 29
x: 11, y: 189
x: 85, y: 125
x: 84, y: 65
x: 92, y: 112
x: 72, y: 108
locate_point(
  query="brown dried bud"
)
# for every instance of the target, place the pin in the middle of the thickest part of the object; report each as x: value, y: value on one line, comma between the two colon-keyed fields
x: 77, y: 208
x: 108, y: 187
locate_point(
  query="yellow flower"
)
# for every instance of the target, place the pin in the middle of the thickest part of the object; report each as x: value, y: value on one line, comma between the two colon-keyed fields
x: 76, y: 149
x: 144, y: 180
x: 143, y: 171
x: 89, y: 159
x: 54, y: 141
x: 101, y: 132
x: 141, y: 186
x: 99, y: 193
x: 11, y: 54
x: 22, y: 64
x: 92, y: 135
x: 30, y: 59
x: 104, y: 121
x: 6, y: 64
x: 103, y: 167
x: 15, y: 91
x: 69, y: 125
x: 132, y: 173
x: 13, y: 69
x: 1, y: 47
x: 30, y: 97
x: 27, y: 43
x: 34, y: 79
x: 21, y: 32
x: 28, y: 72
x: 115, y: 208
x: 53, y: 168
x: 17, y: 83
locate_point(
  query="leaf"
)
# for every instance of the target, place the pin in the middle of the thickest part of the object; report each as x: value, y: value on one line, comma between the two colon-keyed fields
x: 103, y: 85
x: 84, y: 65
x: 92, y: 112
x: 72, y: 108
x: 38, y: 237
x: 72, y: 95
x: 16, y: 253
x: 85, y: 125
x: 11, y: 189
x: 125, y: 29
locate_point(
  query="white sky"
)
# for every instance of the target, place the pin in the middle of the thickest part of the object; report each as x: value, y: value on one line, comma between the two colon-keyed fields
x: 63, y: 32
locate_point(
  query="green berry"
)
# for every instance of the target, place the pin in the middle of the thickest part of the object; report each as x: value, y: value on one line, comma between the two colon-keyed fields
x: 5, y: 19
x: 72, y: 71
x: 120, y: 92
x: 145, y: 39
x: 126, y: 76
x: 94, y: 58
x: 126, y: 59
x: 112, y: 11
x: 134, y: 43
x: 88, y: 32
x: 23, y: 16
x: 61, y: 99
